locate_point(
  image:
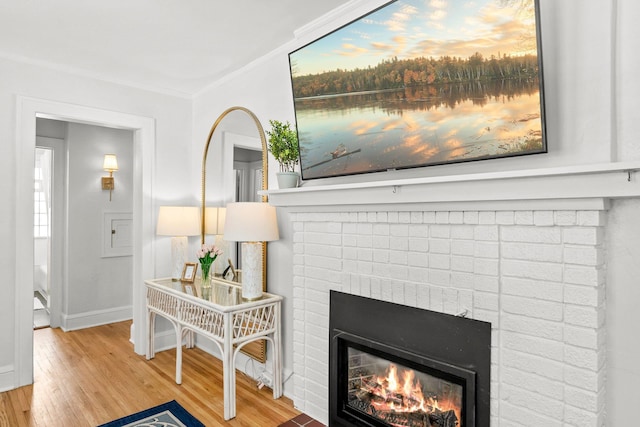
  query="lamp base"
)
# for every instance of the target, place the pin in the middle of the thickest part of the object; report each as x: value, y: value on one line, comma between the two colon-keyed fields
x: 251, y: 270
x: 178, y: 255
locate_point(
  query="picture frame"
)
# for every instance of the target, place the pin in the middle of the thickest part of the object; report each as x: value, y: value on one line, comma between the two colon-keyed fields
x: 189, y: 272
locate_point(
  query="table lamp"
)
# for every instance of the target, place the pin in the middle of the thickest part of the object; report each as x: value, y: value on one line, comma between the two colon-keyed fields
x: 178, y: 222
x: 251, y: 223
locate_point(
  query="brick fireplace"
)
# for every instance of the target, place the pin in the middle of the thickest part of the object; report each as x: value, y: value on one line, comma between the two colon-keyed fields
x: 536, y: 272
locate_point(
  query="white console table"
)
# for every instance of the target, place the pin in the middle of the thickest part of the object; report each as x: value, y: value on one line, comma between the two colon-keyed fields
x: 226, y: 318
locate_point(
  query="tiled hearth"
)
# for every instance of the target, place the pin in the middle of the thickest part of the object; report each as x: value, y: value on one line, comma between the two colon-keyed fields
x: 537, y: 275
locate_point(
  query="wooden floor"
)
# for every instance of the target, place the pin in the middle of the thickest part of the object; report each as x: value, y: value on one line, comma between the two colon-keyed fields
x: 92, y: 376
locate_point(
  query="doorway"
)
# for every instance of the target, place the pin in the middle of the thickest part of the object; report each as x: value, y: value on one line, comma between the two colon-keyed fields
x: 28, y: 109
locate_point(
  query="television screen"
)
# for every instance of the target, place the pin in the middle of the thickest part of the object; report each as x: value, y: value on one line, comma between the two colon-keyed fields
x: 418, y: 83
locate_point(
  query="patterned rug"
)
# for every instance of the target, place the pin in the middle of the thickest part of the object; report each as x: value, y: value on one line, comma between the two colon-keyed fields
x: 169, y: 414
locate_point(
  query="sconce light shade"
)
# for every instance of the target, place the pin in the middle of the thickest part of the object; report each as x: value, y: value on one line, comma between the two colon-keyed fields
x: 178, y: 221
x: 251, y: 222
x: 110, y: 163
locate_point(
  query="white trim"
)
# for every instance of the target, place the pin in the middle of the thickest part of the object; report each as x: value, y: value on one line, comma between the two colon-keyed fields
x: 610, y: 180
x: 27, y: 109
x: 95, y: 318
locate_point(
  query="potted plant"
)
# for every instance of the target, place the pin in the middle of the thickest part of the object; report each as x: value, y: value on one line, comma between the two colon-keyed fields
x: 283, y: 144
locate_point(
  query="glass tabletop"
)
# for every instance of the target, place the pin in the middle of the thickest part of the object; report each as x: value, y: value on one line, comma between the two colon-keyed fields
x: 224, y: 294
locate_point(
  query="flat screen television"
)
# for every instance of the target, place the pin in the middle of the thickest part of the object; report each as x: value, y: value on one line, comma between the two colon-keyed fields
x: 419, y: 83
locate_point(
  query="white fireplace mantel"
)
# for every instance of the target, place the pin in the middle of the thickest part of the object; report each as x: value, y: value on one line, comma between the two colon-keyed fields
x: 583, y: 186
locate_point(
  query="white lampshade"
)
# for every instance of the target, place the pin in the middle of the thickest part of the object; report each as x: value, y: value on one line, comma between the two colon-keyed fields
x: 251, y: 222
x: 178, y: 221
x: 110, y: 163
x: 214, y: 220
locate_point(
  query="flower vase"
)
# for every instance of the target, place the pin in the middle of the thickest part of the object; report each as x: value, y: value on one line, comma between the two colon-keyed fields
x: 205, y: 284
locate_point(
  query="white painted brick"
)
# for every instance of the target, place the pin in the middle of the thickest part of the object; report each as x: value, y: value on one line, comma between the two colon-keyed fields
x: 464, y: 264
x: 404, y: 217
x: 486, y: 316
x: 471, y: 217
x: 418, y: 230
x: 416, y: 217
x: 439, y: 261
x: 487, y: 217
x: 532, y: 270
x: 365, y: 254
x: 372, y: 217
x: 362, y: 218
x: 429, y: 217
x: 442, y: 217
x: 418, y: 245
x: 583, y: 357
x: 365, y: 267
x: 382, y: 217
x: 456, y: 217
x: 579, y: 275
x: 564, y: 218
x: 393, y: 217
x: 349, y: 240
x: 439, y: 246
x: 418, y: 275
x: 516, y: 416
x: 538, y: 309
x: 323, y: 227
x: 350, y: 253
x: 365, y: 241
x: 462, y: 232
x: 365, y: 286
x: 591, y: 218
x: 386, y: 291
x: 463, y: 247
x: 410, y: 294
x: 536, y: 327
x: 524, y: 217
x: 551, y: 291
x: 418, y: 259
x: 398, y: 257
x: 380, y: 256
x: 376, y: 288
x: 400, y: 272
x: 399, y: 243
x: 323, y: 262
x: 584, y: 379
x: 378, y: 269
x: 488, y: 267
x: 587, y: 317
x: 486, y: 283
x: 549, y: 235
x: 582, y: 399
x: 534, y: 383
x: 297, y: 238
x: 323, y: 238
x: 380, y: 242
x: 349, y: 228
x: 582, y: 255
x: 543, y: 218
x: 582, y: 337
x: 440, y: 231
x: 583, y: 295
x: 533, y: 401
x: 423, y: 296
x: 486, y: 301
x: 486, y: 232
x: 505, y: 218
x: 397, y: 292
x: 436, y: 299
x: 583, y: 236
x: 487, y: 249
x: 550, y: 349
x: 576, y: 417
x: 532, y: 252
x: 399, y: 230
x: 364, y: 228
x: 533, y: 364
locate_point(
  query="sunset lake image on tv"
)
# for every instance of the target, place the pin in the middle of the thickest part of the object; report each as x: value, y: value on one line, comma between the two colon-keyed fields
x: 420, y: 83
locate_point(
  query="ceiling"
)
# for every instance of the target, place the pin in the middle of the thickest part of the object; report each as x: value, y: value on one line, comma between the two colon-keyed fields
x: 173, y: 46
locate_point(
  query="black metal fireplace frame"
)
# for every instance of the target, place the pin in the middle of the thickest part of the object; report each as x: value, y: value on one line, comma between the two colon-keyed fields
x: 457, y: 346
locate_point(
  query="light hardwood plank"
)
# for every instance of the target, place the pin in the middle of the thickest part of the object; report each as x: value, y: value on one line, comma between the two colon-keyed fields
x: 91, y: 376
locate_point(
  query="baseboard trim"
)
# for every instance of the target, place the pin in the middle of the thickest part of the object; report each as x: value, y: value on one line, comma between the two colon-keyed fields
x: 95, y: 318
x: 7, y: 378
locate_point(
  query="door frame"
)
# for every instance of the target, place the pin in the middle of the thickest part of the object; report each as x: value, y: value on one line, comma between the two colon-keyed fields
x: 27, y: 109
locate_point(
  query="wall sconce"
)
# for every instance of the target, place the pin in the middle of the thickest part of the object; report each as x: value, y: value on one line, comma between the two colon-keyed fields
x: 110, y: 165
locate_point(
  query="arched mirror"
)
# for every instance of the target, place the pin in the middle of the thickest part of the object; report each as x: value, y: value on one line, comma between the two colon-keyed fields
x: 234, y: 169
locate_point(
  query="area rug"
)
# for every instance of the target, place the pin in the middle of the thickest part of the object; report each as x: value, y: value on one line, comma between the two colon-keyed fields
x: 169, y: 414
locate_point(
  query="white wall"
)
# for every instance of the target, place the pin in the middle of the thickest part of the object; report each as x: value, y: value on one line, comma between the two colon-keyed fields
x: 172, y: 156
x: 590, y: 59
x: 96, y: 283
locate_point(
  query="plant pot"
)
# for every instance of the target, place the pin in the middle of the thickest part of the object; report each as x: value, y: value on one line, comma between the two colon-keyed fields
x: 287, y: 179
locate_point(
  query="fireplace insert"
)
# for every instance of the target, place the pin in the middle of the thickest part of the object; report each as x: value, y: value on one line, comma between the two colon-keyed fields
x: 392, y: 365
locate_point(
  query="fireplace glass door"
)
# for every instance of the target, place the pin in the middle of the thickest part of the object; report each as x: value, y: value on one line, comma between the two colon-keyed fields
x: 399, y: 395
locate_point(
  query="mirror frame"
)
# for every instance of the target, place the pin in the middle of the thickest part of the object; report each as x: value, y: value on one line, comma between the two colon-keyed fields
x: 256, y: 349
